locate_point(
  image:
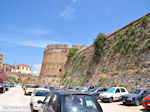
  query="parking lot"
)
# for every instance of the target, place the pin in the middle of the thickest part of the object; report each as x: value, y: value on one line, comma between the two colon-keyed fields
x: 14, y: 100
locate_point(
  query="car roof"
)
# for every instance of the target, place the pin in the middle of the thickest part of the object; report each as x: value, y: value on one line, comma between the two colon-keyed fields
x: 142, y: 88
x: 42, y: 89
x: 66, y: 92
x: 117, y: 87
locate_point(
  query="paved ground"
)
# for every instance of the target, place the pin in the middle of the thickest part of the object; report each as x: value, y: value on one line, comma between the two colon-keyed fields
x: 119, y: 107
x: 14, y: 100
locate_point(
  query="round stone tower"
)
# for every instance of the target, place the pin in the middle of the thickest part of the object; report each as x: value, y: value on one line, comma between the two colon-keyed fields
x: 55, y: 58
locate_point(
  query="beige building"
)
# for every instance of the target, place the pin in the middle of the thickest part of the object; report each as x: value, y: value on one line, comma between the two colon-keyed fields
x: 8, y: 68
x: 1, y: 60
x: 23, y: 69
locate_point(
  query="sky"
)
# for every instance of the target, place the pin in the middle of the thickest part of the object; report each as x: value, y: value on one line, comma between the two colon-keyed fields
x: 27, y: 26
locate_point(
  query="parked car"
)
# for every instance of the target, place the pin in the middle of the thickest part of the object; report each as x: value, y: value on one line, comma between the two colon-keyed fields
x: 69, y: 101
x: 136, y: 96
x: 75, y: 88
x: 113, y: 94
x: 146, y: 102
x: 23, y: 85
x: 96, y: 91
x: 88, y: 88
x: 6, y: 84
x: 2, y: 88
x: 38, y: 94
x: 29, y: 89
x: 12, y: 84
x: 51, y: 88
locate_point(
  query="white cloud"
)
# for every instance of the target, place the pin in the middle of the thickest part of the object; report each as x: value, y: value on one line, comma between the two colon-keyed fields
x: 74, y: 1
x: 36, y: 69
x: 32, y: 43
x: 40, y: 32
x: 31, y: 31
x: 68, y: 13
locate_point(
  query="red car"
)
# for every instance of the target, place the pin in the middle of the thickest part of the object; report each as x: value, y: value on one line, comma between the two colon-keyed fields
x: 146, y: 102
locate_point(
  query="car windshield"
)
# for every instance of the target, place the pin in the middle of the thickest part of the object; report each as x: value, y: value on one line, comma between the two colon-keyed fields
x: 51, y: 88
x: 95, y: 89
x: 136, y: 91
x: 111, y: 90
x: 41, y: 93
x: 80, y: 103
x: 30, y: 86
x: 86, y: 88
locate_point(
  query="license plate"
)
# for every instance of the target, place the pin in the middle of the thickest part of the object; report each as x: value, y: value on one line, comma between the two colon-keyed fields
x: 148, y: 104
x: 123, y: 101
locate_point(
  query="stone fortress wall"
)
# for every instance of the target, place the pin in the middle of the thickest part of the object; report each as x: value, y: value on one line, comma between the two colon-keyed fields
x: 54, y: 61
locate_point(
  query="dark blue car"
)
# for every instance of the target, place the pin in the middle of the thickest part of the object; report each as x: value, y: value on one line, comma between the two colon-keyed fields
x: 69, y: 101
x: 135, y: 97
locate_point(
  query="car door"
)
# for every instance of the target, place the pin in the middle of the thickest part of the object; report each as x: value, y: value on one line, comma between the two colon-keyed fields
x: 53, y: 104
x: 145, y: 93
x: 123, y: 91
x: 44, y: 106
x: 117, y: 94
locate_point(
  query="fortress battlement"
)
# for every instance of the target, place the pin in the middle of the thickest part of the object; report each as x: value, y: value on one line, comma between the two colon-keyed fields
x: 57, y: 46
x: 63, y: 46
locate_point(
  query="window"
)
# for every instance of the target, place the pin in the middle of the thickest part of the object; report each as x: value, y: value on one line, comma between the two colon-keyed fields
x: 47, y: 99
x: 59, y: 70
x: 22, y: 68
x: 53, y: 103
x: 27, y: 68
x: 123, y: 90
x: 118, y: 91
x: 79, y: 103
x: 148, y: 91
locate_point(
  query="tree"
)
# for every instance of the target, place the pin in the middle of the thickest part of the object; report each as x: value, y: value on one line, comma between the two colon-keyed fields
x: 99, y: 44
x: 3, y: 75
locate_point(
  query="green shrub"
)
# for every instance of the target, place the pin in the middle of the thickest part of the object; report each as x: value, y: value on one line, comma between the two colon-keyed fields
x: 72, y: 52
x: 12, y: 78
x: 100, y: 82
x: 65, y: 75
x: 131, y: 30
x: 144, y: 20
x: 122, y: 85
x: 99, y: 44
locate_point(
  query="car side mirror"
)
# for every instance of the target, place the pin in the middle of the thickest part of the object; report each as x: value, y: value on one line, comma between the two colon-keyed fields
x: 39, y: 101
x: 144, y: 93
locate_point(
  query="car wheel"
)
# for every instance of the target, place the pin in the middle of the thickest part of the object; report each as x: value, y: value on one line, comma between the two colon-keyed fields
x: 124, y: 103
x: 110, y: 100
x: 137, y: 103
x: 3, y: 91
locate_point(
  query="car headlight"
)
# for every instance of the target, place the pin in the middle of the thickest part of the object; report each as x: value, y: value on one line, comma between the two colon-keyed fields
x: 105, y: 96
x: 129, y: 98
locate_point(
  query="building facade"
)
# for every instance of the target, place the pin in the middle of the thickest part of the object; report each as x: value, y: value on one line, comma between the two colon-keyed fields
x: 8, y: 67
x: 23, y: 69
x: 1, y: 60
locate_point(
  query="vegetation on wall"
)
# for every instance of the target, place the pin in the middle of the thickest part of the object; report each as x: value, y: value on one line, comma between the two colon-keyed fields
x: 99, y: 44
x: 145, y: 47
x: 12, y: 78
x: 72, y: 52
x: 119, y: 52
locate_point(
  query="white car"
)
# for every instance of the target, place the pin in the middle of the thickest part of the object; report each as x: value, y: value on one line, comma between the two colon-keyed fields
x: 113, y: 94
x: 38, y: 94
